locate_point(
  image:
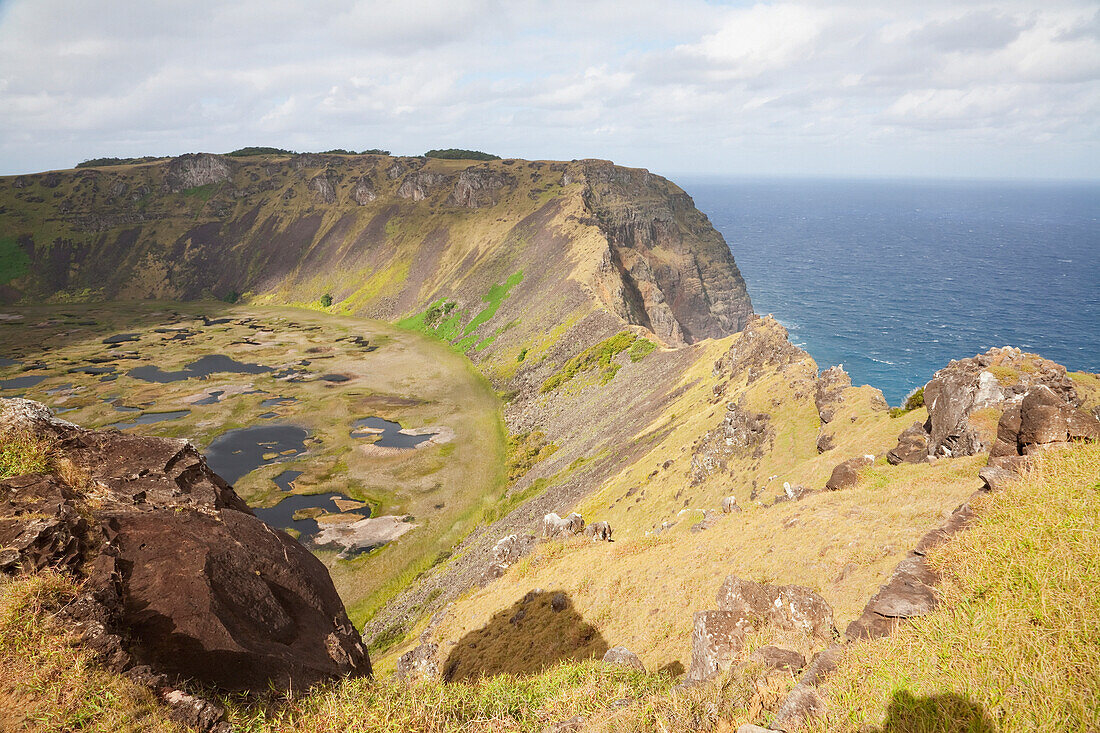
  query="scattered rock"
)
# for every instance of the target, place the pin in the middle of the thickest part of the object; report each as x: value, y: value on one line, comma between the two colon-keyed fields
x: 729, y: 505
x: 803, y: 705
x: 772, y: 657
x: 825, y: 442
x: 419, y: 663
x: 622, y: 656
x: 559, y: 602
x: 846, y: 475
x: 194, y: 712
x: 716, y: 641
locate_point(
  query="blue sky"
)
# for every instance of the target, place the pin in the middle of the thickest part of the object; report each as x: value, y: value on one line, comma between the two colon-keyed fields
x: 805, y: 88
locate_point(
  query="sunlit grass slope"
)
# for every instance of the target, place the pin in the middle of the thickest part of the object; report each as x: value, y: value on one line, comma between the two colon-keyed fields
x: 1015, y: 645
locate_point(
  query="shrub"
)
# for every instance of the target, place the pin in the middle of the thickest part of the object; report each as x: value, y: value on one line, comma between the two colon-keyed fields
x: 460, y: 154
x: 326, y: 300
x: 257, y: 150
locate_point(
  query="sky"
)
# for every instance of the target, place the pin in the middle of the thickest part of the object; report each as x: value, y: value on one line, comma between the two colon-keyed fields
x: 900, y: 88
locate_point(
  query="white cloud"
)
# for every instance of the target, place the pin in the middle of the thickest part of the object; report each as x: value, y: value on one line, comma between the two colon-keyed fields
x: 771, y: 87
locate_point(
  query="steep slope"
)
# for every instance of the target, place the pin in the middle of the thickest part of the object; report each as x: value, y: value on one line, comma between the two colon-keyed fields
x: 386, y: 238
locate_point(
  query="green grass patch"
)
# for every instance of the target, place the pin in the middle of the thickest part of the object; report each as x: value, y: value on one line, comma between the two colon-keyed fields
x: 14, y: 262
x: 525, y: 450
x: 202, y: 193
x: 640, y: 349
x: 598, y: 356
x: 912, y: 402
x: 444, y: 320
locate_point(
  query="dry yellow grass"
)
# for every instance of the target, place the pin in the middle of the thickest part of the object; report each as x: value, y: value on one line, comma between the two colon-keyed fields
x: 48, y: 684
x: 1015, y: 645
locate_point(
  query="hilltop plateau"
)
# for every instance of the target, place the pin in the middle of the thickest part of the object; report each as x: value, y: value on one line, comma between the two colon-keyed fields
x: 533, y: 445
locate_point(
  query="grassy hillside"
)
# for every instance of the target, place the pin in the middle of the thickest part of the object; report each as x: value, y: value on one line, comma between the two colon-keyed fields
x: 1012, y: 648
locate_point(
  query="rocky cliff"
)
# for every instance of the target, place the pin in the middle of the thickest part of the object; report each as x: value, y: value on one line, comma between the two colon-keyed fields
x: 384, y: 236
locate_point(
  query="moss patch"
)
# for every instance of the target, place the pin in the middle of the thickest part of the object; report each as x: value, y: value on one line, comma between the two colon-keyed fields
x: 597, y: 356
x: 14, y: 262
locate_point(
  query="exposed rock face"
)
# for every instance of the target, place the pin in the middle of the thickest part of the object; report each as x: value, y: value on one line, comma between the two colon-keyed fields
x: 763, y: 347
x: 196, y: 169
x: 846, y: 475
x: 478, y: 187
x: 1042, y: 418
x: 364, y: 193
x: 321, y: 186
x: 995, y: 379
x: 642, y: 214
x: 622, y: 656
x: 830, y: 391
x: 419, y: 185
x: 180, y: 575
x: 741, y: 433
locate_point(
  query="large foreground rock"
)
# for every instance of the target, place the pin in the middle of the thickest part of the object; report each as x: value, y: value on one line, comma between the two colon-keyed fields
x: 1042, y: 418
x: 180, y: 575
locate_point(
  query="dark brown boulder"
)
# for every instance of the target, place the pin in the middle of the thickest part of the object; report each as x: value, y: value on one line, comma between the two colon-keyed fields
x: 181, y: 576
x: 1042, y: 418
x: 910, y: 590
x: 846, y: 475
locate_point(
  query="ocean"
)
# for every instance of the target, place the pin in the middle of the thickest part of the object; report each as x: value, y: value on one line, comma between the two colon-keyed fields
x: 894, y: 279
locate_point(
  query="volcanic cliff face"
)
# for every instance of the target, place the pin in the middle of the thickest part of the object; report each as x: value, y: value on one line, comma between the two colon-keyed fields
x: 386, y: 237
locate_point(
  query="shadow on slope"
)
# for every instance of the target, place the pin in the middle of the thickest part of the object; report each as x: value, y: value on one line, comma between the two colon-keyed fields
x: 946, y: 713
x: 538, y: 631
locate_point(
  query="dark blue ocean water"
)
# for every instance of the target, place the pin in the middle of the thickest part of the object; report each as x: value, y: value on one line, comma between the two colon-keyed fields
x: 893, y: 279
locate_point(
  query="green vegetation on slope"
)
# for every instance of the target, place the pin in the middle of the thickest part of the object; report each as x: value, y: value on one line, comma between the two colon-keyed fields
x: 525, y: 450
x: 1015, y: 644
x: 597, y: 356
x: 460, y: 154
x: 14, y: 262
x: 443, y: 320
